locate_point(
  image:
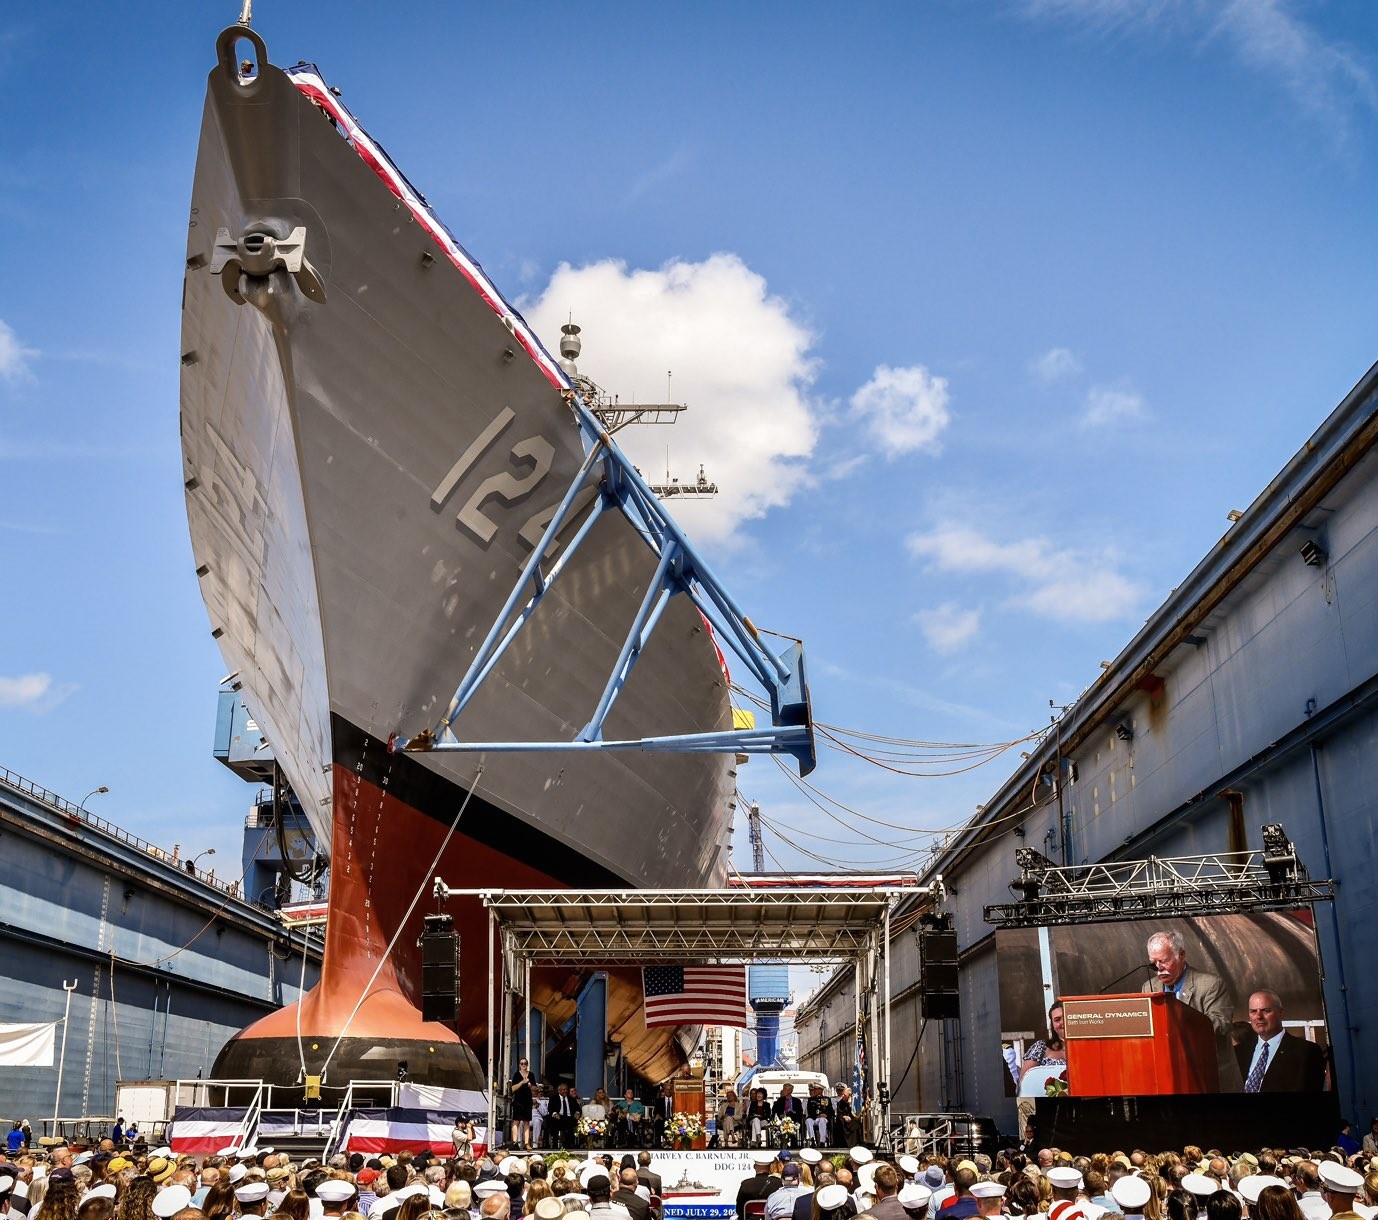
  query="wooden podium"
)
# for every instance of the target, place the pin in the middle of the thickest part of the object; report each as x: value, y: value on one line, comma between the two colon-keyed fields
x: 689, y: 1100
x: 1137, y: 1045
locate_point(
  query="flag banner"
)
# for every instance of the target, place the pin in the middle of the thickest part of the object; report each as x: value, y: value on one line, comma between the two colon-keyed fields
x: 203, y: 1131
x: 695, y: 995
x: 27, y: 1045
x: 399, y: 1130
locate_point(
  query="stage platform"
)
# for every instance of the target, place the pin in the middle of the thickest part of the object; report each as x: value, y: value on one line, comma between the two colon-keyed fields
x: 1232, y: 1122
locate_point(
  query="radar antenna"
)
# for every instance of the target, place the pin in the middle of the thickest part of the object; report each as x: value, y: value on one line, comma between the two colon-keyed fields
x: 615, y: 416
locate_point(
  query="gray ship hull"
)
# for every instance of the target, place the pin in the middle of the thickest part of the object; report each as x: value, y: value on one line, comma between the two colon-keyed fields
x: 366, y: 473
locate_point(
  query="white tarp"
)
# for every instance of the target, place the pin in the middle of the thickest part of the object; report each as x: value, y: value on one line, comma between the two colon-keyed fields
x: 27, y: 1045
x: 433, y: 1097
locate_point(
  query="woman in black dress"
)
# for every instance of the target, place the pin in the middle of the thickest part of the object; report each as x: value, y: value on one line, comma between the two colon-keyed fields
x: 522, y: 1098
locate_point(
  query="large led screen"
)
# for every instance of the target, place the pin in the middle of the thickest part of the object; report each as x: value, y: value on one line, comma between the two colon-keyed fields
x: 1220, y: 1003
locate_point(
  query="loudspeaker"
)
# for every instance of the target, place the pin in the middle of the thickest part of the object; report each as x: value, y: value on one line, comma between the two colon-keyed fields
x: 938, y: 974
x: 439, y: 969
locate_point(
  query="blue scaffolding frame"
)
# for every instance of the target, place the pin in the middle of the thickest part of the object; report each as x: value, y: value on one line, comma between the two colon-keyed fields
x: 681, y: 570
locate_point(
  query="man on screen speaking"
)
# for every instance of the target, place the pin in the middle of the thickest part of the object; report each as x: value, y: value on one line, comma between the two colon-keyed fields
x: 1198, y: 989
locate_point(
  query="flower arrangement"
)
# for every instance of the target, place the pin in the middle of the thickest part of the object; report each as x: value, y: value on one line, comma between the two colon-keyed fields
x: 593, y: 1128
x: 1056, y: 1086
x: 684, y: 1128
x: 788, y: 1128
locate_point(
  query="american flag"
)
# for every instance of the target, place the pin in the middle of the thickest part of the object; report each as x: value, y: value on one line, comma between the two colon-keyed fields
x: 695, y: 995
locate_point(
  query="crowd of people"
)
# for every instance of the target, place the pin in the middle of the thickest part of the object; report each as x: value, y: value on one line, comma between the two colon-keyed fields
x: 1194, y: 1184
x: 109, y: 1183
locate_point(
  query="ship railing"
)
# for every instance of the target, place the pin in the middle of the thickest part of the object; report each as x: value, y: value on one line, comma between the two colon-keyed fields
x: 924, y: 1135
x: 338, y: 1127
x: 59, y: 804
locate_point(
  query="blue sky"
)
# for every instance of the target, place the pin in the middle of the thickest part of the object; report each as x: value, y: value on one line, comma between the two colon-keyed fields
x: 987, y: 314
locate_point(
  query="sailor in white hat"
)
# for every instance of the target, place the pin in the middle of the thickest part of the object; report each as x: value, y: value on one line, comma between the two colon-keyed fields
x: 989, y: 1196
x: 1256, y: 1183
x: 914, y: 1197
x: 1339, y: 1186
x: 1201, y: 1187
x: 335, y: 1195
x: 831, y: 1200
x: 106, y: 1190
x: 170, y: 1200
x: 810, y: 1157
x: 909, y: 1166
x: 1132, y: 1193
x: 252, y: 1198
x: 859, y: 1155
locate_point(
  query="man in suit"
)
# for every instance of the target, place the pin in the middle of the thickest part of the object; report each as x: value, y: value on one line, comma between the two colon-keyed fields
x: 761, y: 1185
x: 627, y: 1196
x: 562, y: 1117
x: 664, y: 1111
x: 887, y: 1206
x: 1198, y: 989
x: 1278, y: 1062
x: 787, y: 1105
x: 644, y: 1175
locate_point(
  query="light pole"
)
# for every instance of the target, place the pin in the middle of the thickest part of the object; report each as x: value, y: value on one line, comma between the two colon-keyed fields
x: 62, y: 1057
x: 191, y: 864
x: 81, y: 809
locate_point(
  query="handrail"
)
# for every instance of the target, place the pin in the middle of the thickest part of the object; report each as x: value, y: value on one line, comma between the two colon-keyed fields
x: 248, y: 1129
x: 60, y: 804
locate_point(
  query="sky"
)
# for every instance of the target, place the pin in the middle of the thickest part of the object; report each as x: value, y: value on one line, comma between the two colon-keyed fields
x: 986, y: 314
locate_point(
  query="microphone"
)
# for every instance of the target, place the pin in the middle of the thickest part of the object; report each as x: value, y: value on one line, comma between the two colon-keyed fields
x: 1126, y: 974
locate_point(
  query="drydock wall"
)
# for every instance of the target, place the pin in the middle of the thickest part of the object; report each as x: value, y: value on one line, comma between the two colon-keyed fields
x: 1250, y: 697
x: 166, y: 967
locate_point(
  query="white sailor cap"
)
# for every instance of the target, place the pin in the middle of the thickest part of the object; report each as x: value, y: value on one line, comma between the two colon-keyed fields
x: 1131, y: 1191
x: 1256, y: 1183
x: 913, y: 1196
x: 512, y: 1164
x: 7, y: 1183
x: 231, y: 1150
x: 170, y: 1201
x: 860, y: 1154
x: 334, y: 1190
x: 247, y: 1154
x: 987, y: 1190
x: 1199, y: 1184
x: 484, y: 1189
x: 910, y: 1165
x: 81, y: 1158
x: 1064, y: 1177
x: 106, y: 1190
x: 762, y: 1156
x: 830, y: 1197
x: 1340, y: 1178
x: 866, y: 1177
x: 252, y: 1192
x: 237, y: 1173
x: 164, y: 1151
x: 810, y: 1156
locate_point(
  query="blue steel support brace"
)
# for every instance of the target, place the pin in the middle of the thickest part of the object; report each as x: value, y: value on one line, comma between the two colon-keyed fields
x: 681, y: 570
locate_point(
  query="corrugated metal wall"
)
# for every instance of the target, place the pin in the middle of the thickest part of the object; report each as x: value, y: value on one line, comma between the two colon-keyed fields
x: 1273, y: 696
x: 190, y: 967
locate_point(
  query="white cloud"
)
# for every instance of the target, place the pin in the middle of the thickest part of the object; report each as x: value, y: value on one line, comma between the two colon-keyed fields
x: 1326, y: 78
x: 903, y: 409
x: 1107, y: 406
x: 1057, y: 583
x: 948, y: 627
x: 1057, y: 365
x: 14, y: 356
x: 740, y: 362
x: 24, y: 691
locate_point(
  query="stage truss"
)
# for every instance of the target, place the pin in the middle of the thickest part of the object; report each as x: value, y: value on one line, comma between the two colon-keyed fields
x: 847, y: 919
x: 1222, y: 883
